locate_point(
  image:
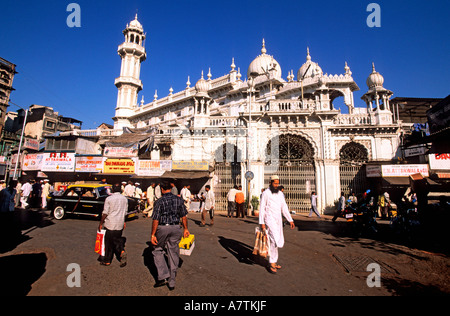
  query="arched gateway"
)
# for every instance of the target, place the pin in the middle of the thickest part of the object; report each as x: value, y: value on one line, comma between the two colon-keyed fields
x: 294, y: 164
x: 352, y: 171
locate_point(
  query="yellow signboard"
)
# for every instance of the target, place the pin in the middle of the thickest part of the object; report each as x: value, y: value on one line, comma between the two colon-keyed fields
x: 125, y: 166
x: 190, y: 165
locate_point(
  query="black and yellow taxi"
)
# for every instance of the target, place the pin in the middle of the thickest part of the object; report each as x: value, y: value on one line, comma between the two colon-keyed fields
x: 85, y: 199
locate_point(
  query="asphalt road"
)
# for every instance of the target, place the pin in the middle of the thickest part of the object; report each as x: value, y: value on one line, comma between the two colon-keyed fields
x: 319, y: 258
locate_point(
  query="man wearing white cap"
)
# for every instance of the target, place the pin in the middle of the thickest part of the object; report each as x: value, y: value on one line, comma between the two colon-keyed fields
x: 45, y: 193
x: 273, y: 206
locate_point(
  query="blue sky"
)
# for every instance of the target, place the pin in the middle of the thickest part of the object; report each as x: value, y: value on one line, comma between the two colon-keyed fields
x: 73, y: 69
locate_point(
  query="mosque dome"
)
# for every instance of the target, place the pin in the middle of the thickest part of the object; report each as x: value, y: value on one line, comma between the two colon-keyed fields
x: 262, y: 63
x: 202, y: 87
x: 309, y: 69
x: 375, y: 79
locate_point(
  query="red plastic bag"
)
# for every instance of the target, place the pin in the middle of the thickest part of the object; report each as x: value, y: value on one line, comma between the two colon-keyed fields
x: 100, y: 242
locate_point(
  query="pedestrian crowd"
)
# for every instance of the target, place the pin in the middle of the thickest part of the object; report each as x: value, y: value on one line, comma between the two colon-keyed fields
x: 168, y: 209
x: 29, y: 194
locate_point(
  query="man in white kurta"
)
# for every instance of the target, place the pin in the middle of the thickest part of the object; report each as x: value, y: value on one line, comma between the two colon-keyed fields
x: 273, y: 206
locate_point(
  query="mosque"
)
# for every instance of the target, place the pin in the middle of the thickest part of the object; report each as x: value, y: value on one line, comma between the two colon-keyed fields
x: 264, y: 123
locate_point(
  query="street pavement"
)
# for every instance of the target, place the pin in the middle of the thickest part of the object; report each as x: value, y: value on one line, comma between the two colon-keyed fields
x: 319, y: 258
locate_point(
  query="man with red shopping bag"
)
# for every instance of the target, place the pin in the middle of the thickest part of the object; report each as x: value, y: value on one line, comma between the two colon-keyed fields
x: 113, y: 221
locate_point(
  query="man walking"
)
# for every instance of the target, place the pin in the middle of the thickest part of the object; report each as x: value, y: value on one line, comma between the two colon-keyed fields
x: 45, y: 193
x: 314, y: 205
x: 150, y: 200
x: 273, y: 206
x: 113, y: 220
x: 340, y: 207
x: 209, y: 206
x: 25, y: 194
x: 168, y: 213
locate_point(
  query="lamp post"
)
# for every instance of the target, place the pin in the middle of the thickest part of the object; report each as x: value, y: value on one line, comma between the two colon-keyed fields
x: 21, y: 140
x: 249, y: 175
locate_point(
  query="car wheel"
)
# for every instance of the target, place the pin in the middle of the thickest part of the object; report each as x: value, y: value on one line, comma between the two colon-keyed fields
x: 59, y: 212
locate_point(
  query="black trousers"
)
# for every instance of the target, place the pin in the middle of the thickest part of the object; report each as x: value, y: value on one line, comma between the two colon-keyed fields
x: 114, y: 244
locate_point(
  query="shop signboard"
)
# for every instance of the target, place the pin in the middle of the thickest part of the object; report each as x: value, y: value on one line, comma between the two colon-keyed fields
x: 119, y: 166
x: 121, y: 152
x: 373, y: 171
x: 89, y: 164
x: 439, y: 161
x: 190, y: 165
x: 404, y: 170
x: 153, y: 167
x: 58, y: 162
x: 32, y: 162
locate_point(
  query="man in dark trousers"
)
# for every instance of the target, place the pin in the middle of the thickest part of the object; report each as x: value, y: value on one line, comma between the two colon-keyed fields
x: 169, y: 212
x: 113, y: 220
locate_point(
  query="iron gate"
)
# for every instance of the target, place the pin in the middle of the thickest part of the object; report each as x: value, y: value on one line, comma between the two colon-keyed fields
x: 353, y: 179
x: 295, y: 169
x: 299, y: 181
x: 352, y: 168
x: 228, y: 175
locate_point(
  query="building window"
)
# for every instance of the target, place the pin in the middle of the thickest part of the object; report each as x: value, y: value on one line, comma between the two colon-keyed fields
x: 50, y: 125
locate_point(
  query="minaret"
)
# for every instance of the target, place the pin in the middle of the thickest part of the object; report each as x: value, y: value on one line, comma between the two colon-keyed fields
x: 132, y: 52
x: 377, y: 98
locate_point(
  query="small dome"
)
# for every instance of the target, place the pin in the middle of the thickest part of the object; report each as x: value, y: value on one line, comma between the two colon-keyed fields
x: 375, y: 79
x: 262, y: 63
x: 202, y: 87
x: 309, y: 69
x: 136, y: 24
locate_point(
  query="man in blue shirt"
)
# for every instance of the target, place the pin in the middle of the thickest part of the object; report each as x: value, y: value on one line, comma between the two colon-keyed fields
x: 169, y: 212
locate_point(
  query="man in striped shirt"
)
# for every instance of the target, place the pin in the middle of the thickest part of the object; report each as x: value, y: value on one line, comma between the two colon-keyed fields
x: 168, y: 213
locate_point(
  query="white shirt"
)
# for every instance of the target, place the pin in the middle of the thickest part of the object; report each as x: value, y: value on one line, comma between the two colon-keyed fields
x: 185, y: 194
x: 116, y: 207
x: 209, y: 200
x: 26, y: 189
x: 231, y: 195
x: 129, y: 190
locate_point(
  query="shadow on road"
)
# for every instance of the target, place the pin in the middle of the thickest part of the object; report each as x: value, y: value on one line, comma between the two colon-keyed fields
x: 19, y: 272
x: 427, y: 239
x: 242, y: 252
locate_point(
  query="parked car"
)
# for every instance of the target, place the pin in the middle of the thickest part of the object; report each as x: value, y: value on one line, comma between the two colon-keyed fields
x: 85, y: 199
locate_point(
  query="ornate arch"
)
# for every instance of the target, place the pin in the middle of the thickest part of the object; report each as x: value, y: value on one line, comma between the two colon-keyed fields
x: 353, y: 153
x: 292, y: 148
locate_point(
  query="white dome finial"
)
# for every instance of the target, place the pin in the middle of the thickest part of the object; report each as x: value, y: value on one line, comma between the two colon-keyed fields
x: 188, y: 83
x: 263, y: 49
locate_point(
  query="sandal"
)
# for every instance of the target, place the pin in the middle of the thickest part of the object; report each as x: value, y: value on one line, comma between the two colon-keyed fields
x: 272, y: 269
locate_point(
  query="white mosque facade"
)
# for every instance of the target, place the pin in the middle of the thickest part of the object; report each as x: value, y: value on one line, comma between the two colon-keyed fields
x: 264, y: 123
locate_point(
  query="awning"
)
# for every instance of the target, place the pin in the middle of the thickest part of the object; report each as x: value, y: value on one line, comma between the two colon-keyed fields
x: 177, y: 174
x: 399, y: 181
